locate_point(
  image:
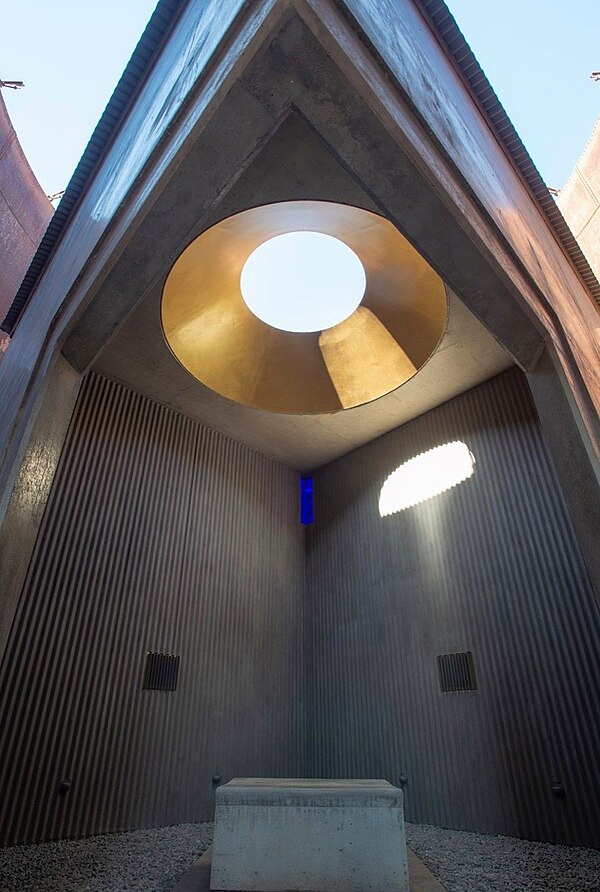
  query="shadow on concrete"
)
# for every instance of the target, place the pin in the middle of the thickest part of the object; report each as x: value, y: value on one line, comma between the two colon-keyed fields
x: 197, y: 879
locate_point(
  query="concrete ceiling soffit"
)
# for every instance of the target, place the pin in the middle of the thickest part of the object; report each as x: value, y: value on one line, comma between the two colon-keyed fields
x: 295, y: 162
x: 291, y: 67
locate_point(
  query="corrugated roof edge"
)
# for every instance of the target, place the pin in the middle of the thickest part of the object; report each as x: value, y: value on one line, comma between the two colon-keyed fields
x: 449, y: 34
x: 158, y: 25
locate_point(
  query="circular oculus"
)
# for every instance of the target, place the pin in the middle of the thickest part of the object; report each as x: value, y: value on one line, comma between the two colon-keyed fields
x: 303, y: 281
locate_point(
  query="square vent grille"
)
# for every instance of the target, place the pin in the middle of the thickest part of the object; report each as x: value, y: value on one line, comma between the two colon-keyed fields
x: 161, y: 672
x: 456, y: 672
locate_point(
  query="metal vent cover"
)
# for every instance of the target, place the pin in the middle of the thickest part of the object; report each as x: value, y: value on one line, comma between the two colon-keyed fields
x: 456, y: 672
x: 161, y: 672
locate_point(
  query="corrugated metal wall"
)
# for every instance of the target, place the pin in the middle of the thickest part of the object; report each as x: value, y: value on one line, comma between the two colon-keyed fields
x: 491, y: 566
x: 162, y: 535
x: 159, y: 535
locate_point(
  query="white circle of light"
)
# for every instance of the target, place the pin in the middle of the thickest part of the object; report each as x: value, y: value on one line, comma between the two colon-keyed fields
x: 303, y: 281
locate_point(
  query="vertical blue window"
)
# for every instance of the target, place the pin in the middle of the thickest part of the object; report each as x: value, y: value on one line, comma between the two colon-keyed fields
x: 306, y: 500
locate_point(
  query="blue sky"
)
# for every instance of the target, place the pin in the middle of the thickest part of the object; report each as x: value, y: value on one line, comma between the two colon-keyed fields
x: 70, y: 55
x: 538, y: 55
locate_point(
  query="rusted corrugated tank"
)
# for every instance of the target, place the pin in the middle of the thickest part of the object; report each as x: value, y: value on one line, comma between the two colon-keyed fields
x: 24, y: 212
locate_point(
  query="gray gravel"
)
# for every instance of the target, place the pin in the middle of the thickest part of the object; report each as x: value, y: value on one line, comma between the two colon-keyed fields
x: 154, y: 860
x: 469, y: 862
x: 140, y: 861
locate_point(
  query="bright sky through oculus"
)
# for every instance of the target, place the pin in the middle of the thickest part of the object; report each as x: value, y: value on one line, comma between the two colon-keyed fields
x: 425, y: 476
x: 303, y: 281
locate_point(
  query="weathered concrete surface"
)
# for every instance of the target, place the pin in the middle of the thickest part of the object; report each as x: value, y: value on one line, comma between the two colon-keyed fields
x: 62, y: 287
x: 294, y: 163
x: 134, y: 173
x: 420, y: 66
x: 575, y: 467
x: 24, y: 212
x: 197, y: 878
x: 296, y: 834
x: 19, y: 526
x: 420, y: 877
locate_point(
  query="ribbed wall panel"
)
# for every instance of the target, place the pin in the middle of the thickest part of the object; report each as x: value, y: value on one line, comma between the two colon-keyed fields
x: 159, y: 535
x: 491, y: 566
x: 162, y: 535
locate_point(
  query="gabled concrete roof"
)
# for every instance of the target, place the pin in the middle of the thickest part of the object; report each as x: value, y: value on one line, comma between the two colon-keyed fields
x: 400, y: 120
x: 162, y: 20
x: 137, y: 354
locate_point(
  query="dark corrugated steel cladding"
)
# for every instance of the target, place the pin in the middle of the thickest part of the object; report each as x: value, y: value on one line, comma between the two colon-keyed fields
x: 164, y: 15
x: 162, y: 535
x: 493, y: 567
x: 159, y: 535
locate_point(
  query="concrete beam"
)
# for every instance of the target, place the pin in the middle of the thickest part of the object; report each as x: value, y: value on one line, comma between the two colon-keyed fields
x: 577, y: 468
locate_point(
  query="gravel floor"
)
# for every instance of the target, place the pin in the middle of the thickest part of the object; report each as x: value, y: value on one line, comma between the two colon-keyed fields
x: 140, y: 861
x: 153, y: 861
x: 469, y: 862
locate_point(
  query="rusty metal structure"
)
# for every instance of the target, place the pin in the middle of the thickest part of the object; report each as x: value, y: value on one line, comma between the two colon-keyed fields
x: 24, y: 212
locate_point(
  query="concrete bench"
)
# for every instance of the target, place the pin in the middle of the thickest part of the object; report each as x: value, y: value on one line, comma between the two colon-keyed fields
x: 319, y: 835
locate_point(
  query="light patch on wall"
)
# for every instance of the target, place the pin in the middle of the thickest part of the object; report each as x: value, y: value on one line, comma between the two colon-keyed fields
x: 425, y: 476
